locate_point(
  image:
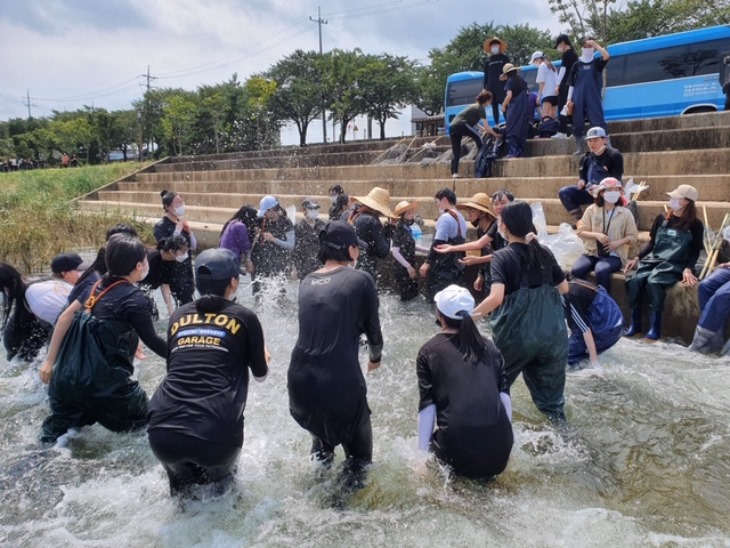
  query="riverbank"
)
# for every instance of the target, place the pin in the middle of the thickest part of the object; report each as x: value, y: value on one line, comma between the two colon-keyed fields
x: 38, y: 219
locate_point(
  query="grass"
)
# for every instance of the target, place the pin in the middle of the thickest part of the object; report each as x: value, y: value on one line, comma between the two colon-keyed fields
x: 38, y: 219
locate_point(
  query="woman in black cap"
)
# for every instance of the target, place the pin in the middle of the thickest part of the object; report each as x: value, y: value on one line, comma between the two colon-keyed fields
x: 327, y: 390
x: 195, y: 419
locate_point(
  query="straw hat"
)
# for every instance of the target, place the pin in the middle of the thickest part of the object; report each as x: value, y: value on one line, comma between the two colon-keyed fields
x: 378, y: 199
x: 404, y: 206
x: 489, y: 41
x: 508, y: 67
x: 480, y: 201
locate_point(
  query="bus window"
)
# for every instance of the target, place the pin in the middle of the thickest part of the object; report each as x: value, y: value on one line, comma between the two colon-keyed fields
x: 667, y: 63
x: 463, y: 92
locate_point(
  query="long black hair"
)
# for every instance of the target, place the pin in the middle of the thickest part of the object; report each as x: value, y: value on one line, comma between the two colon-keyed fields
x: 246, y: 215
x: 13, y: 285
x: 471, y: 344
x: 517, y: 217
x: 175, y: 242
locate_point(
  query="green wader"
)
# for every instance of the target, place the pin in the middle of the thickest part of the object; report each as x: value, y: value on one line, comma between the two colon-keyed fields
x: 530, y: 331
x: 92, y: 382
x: 661, y: 269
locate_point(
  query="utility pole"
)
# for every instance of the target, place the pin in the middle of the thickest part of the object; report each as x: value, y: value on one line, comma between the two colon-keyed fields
x: 146, y: 110
x: 321, y: 22
x: 27, y: 103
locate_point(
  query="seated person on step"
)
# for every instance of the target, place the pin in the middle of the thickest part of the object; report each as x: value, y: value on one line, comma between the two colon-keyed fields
x: 600, y: 162
x: 714, y: 297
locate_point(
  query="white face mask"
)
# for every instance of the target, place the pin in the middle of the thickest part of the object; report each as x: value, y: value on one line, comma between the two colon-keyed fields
x: 675, y: 204
x: 333, y: 198
x: 181, y: 258
x: 179, y: 211
x: 494, y: 50
x: 312, y: 214
x: 587, y: 56
x: 612, y: 196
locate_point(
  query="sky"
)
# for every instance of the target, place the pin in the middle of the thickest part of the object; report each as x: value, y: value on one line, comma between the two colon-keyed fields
x: 66, y: 54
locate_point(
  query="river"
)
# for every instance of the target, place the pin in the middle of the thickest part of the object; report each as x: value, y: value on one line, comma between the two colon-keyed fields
x: 646, y: 463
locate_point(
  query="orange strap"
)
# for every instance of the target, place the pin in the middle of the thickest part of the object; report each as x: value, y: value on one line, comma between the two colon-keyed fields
x: 93, y: 299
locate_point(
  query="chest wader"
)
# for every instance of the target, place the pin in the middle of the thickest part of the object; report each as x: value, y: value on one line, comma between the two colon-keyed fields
x: 91, y: 380
x: 606, y: 323
x: 446, y: 268
x: 529, y: 329
x: 587, y: 100
x: 659, y: 270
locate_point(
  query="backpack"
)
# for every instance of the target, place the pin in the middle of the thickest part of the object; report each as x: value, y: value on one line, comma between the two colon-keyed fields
x: 548, y: 127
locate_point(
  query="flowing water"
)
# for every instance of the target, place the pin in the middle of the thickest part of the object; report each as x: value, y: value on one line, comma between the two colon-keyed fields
x: 646, y: 462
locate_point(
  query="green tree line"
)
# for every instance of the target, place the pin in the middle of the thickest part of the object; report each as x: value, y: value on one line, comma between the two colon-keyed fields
x: 239, y: 116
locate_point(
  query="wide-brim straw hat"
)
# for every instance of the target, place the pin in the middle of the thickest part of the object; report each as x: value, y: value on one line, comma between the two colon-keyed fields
x: 404, y: 206
x: 509, y: 67
x: 488, y: 41
x: 479, y: 201
x: 378, y: 199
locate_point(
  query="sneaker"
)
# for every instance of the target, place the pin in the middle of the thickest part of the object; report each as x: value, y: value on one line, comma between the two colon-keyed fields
x: 455, y: 176
x: 559, y: 135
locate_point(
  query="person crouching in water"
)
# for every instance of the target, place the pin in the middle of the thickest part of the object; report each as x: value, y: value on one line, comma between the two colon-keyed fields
x: 528, y: 323
x: 91, y: 376
x: 327, y: 390
x: 195, y: 419
x: 459, y: 365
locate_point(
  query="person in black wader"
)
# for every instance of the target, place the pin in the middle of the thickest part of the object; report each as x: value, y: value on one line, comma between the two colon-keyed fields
x: 528, y: 319
x: 327, y: 390
x: 463, y: 391
x: 173, y: 223
x: 518, y: 112
x: 90, y: 373
x: 306, y: 237
x: 442, y: 270
x: 669, y: 257
x: 495, y: 48
x: 274, y: 243
x: 366, y: 220
x: 568, y: 58
x: 481, y: 217
x: 404, y: 251
x: 195, y: 419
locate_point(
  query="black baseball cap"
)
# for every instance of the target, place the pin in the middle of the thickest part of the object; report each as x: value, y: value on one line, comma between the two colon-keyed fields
x: 217, y: 264
x: 66, y: 262
x: 563, y: 39
x: 340, y: 235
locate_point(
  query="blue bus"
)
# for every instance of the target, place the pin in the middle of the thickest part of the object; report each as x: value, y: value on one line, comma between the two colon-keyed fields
x: 661, y: 76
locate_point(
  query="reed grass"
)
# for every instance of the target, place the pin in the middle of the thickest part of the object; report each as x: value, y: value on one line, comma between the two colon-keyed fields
x: 38, y: 219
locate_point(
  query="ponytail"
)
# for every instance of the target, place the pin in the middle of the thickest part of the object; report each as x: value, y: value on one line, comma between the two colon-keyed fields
x: 549, y: 63
x: 471, y: 343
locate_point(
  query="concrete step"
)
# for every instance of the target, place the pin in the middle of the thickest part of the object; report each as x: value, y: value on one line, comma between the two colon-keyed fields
x: 711, y: 187
x: 219, y: 207
x: 671, y: 123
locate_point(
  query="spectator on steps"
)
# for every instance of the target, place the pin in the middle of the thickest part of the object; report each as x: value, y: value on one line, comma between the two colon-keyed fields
x: 607, y: 229
x: 495, y: 48
x: 714, y: 297
x: 600, y: 162
x: 518, y: 111
x: 567, y: 60
x: 467, y: 124
x: 669, y: 257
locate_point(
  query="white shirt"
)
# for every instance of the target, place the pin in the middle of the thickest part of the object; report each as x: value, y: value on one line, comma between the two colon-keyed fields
x: 47, y: 299
x: 550, y: 77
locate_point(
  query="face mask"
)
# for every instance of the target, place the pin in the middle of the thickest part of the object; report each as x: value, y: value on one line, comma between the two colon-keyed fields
x: 675, y: 204
x: 494, y: 50
x: 611, y: 196
x: 600, y: 151
x: 333, y: 198
x: 312, y: 214
x: 181, y: 258
x: 179, y: 211
x: 587, y: 56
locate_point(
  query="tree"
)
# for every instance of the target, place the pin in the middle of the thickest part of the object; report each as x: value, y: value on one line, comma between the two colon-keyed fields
x: 177, y: 121
x: 584, y: 17
x: 386, y: 83
x: 343, y: 69
x: 298, y: 94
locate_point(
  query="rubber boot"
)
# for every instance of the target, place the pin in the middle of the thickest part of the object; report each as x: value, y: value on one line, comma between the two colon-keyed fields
x: 655, y: 326
x: 718, y: 340
x: 635, y: 326
x: 702, y: 340
x: 580, y: 146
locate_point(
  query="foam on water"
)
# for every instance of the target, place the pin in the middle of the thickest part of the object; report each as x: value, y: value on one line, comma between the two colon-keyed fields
x: 644, y: 462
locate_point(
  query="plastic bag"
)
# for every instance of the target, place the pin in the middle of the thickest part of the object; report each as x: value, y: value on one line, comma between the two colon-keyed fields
x: 540, y: 222
x: 566, y: 245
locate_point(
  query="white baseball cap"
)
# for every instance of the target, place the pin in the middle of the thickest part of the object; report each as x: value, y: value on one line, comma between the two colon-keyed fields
x: 452, y: 300
x: 266, y: 203
x: 537, y: 55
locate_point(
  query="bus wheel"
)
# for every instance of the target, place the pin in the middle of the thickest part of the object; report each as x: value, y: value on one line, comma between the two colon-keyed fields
x: 699, y: 110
